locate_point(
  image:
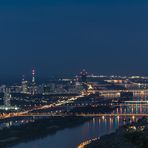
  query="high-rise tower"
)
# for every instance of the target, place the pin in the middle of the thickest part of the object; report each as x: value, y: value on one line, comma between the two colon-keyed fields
x: 33, y: 76
x: 24, y: 85
x: 7, y: 98
x: 23, y: 78
x: 83, y: 75
x: 33, y: 90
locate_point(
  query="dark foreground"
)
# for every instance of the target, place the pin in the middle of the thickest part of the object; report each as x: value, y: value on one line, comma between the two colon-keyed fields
x: 134, y: 135
x: 38, y: 129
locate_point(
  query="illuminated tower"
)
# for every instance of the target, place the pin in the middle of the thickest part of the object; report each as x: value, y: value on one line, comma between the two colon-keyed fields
x: 23, y: 78
x: 83, y: 75
x: 33, y: 83
x: 33, y: 77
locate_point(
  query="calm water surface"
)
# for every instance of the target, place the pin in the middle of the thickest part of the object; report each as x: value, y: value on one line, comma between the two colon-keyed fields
x: 72, y: 137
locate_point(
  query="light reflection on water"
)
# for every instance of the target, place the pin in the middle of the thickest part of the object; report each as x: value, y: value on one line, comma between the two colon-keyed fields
x: 72, y: 137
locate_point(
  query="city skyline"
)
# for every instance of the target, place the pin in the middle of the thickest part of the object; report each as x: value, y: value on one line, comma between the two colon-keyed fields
x: 73, y: 73
x: 65, y: 37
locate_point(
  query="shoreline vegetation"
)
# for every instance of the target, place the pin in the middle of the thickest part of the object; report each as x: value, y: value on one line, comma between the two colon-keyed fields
x: 134, y: 135
x: 39, y: 129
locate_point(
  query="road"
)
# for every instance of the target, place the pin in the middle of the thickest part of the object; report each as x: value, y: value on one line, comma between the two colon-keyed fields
x: 28, y: 112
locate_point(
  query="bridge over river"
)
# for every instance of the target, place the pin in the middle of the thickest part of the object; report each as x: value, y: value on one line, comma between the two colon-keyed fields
x: 126, y: 109
x: 78, y: 115
x: 116, y: 93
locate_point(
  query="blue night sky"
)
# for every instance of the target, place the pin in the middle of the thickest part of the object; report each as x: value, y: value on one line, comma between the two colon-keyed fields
x: 63, y: 37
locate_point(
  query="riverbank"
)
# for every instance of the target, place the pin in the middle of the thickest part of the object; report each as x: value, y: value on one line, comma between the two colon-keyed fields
x: 133, y: 135
x: 41, y: 128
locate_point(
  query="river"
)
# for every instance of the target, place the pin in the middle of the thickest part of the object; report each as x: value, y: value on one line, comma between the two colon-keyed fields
x: 72, y: 137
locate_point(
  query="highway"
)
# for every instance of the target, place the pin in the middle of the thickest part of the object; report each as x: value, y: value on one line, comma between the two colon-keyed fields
x: 28, y: 112
x: 63, y: 103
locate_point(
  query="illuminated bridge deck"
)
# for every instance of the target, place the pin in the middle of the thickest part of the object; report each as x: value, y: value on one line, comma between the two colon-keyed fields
x: 71, y: 115
x: 136, y: 102
x: 85, y: 115
x: 113, y: 115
